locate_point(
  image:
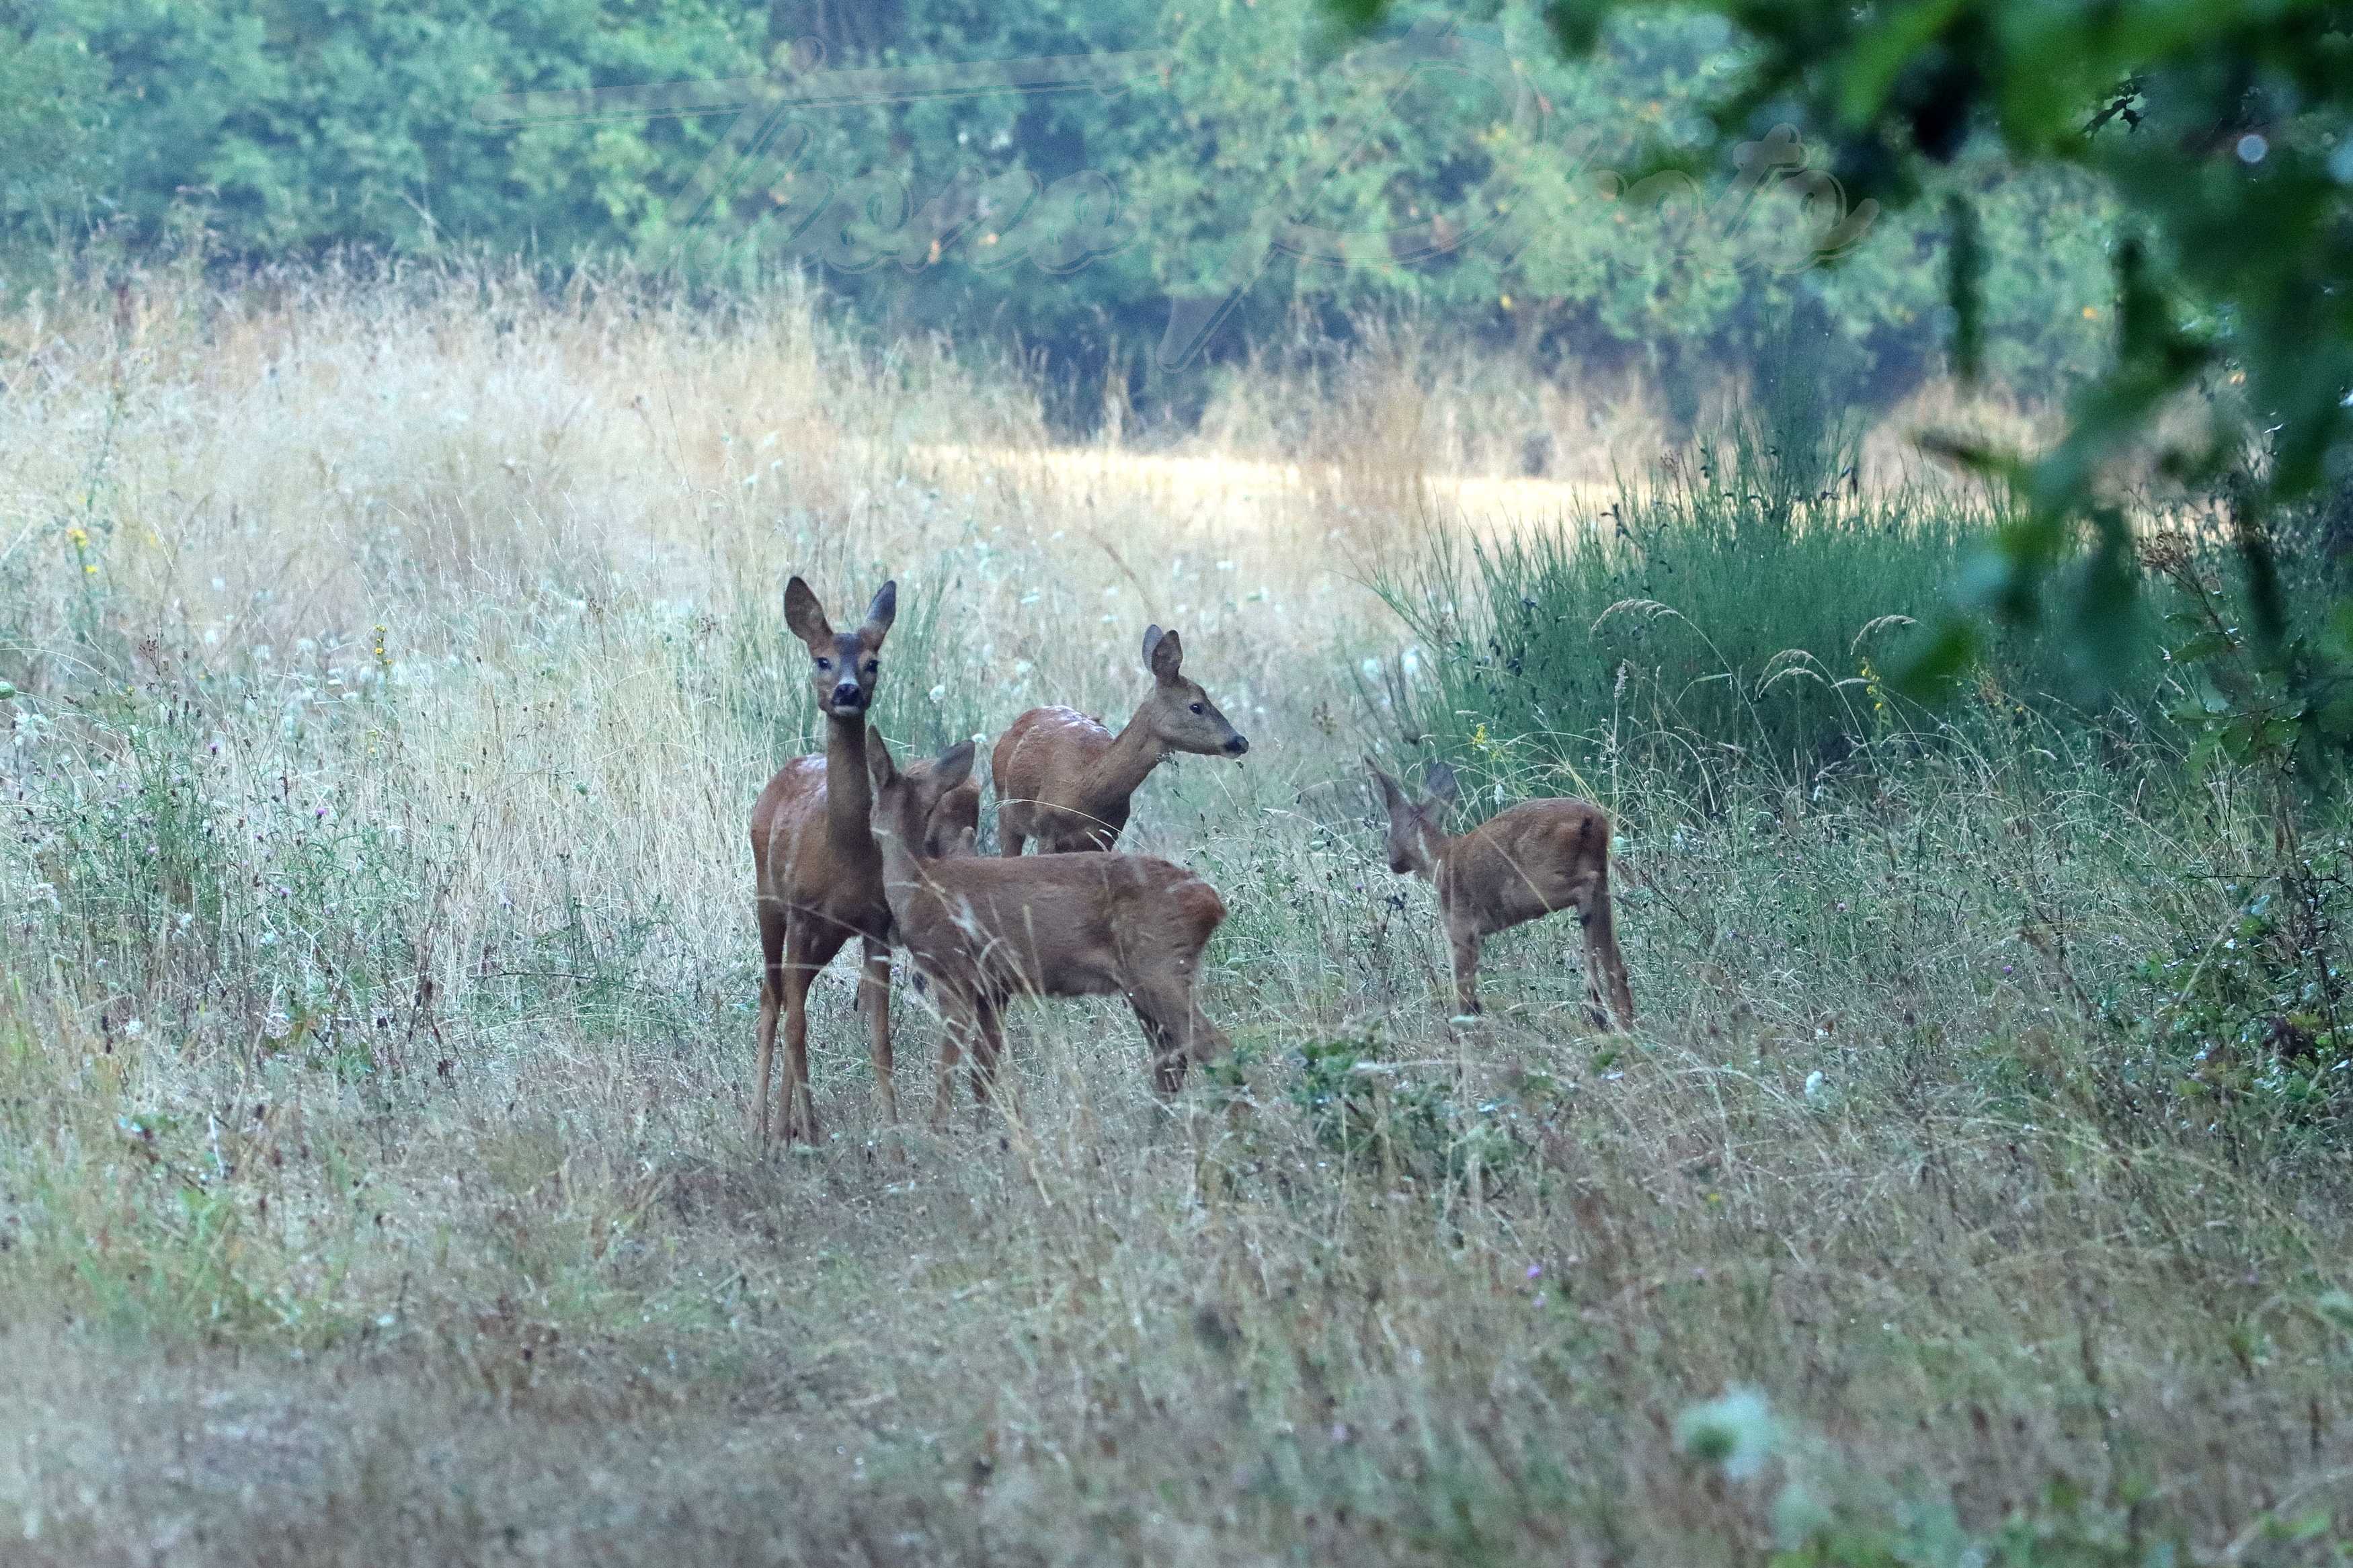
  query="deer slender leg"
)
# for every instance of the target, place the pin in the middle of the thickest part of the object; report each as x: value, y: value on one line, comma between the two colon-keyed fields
x: 772, y: 990
x: 955, y: 1026
x: 1012, y: 831
x: 1463, y: 938
x: 809, y: 946
x: 875, y: 1001
x: 1605, y: 966
x: 989, y: 1046
x: 951, y: 1030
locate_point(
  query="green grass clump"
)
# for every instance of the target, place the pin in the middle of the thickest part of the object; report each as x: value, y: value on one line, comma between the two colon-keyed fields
x: 1723, y: 613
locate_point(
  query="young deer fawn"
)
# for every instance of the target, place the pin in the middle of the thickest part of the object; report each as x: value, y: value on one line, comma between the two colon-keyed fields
x: 983, y: 930
x: 820, y: 878
x: 1523, y: 862
x: 953, y: 826
x: 1064, y: 780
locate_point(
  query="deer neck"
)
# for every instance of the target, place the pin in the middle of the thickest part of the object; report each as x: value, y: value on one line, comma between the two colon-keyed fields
x: 1430, y: 849
x: 1134, y: 753
x: 901, y: 868
x: 848, y: 796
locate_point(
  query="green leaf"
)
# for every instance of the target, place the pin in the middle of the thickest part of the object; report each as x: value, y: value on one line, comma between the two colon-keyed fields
x: 1929, y: 674
x: 1879, y: 56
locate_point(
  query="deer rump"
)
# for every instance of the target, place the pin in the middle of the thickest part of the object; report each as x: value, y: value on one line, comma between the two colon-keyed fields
x: 1085, y: 924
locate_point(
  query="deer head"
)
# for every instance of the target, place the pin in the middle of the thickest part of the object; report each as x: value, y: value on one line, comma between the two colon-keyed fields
x: 952, y: 826
x: 1416, y: 828
x: 844, y: 666
x: 902, y: 809
x: 1178, y: 713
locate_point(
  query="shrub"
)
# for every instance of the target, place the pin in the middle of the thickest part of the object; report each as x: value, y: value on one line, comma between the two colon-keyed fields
x: 1742, y: 607
x: 1378, y: 1115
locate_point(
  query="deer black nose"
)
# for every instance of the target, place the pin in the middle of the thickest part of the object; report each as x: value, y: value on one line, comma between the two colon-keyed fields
x: 1237, y: 746
x: 847, y: 695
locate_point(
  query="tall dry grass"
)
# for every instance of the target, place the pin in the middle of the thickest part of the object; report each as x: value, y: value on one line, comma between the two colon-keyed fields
x: 394, y: 664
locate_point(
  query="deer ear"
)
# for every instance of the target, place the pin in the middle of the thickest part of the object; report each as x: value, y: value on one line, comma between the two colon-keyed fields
x: 880, y: 769
x: 955, y: 765
x: 1438, y: 780
x: 879, y: 615
x: 1391, y: 796
x: 805, y: 616
x: 1165, y: 652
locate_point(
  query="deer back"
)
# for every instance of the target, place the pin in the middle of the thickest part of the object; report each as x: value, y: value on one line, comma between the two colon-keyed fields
x: 1044, y: 760
x: 1525, y: 861
x: 1061, y: 925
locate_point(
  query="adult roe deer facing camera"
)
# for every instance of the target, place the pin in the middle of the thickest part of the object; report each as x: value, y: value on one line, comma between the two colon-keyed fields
x: 984, y: 930
x: 1064, y: 780
x: 1524, y: 862
x: 820, y: 878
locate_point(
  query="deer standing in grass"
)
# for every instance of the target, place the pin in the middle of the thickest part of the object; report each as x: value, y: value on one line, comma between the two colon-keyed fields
x: 820, y: 878
x: 1064, y: 780
x: 1524, y: 862
x: 984, y: 930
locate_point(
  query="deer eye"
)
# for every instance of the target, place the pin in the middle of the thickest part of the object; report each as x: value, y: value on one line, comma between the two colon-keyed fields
x: 825, y: 664
x: 1197, y: 708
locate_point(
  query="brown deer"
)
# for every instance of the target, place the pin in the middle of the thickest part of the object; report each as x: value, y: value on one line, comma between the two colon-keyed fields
x: 820, y: 878
x: 1522, y: 863
x: 982, y: 931
x: 1064, y: 780
x: 953, y: 826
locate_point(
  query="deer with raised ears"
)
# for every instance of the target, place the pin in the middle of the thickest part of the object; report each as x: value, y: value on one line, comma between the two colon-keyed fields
x: 820, y: 878
x: 954, y: 826
x: 1524, y: 862
x: 1065, y: 780
x: 984, y: 930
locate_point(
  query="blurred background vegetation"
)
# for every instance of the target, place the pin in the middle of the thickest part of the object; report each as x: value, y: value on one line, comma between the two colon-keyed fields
x: 292, y: 129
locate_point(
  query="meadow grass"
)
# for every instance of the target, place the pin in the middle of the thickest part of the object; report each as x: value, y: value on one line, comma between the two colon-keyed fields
x: 395, y: 663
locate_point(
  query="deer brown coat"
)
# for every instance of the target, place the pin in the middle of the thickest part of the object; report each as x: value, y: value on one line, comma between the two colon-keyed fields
x: 1065, y: 780
x: 983, y: 930
x: 1525, y: 862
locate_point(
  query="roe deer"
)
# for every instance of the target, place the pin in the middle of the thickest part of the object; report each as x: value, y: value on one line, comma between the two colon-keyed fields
x: 953, y: 826
x: 1523, y: 862
x: 1064, y: 780
x: 820, y: 878
x: 981, y: 930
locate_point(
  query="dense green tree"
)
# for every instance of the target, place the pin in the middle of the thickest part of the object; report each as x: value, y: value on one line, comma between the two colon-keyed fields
x: 1476, y: 179
x: 2222, y: 131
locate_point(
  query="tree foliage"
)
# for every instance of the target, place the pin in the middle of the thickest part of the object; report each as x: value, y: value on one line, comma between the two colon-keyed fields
x: 1507, y: 200
x: 2223, y: 129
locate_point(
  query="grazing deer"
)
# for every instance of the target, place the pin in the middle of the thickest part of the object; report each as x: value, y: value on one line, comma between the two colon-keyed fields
x: 1522, y: 863
x: 953, y: 826
x: 1065, y: 781
x: 982, y: 931
x: 820, y: 878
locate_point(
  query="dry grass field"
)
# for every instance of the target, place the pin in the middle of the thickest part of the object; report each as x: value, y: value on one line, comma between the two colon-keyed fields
x: 393, y: 668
